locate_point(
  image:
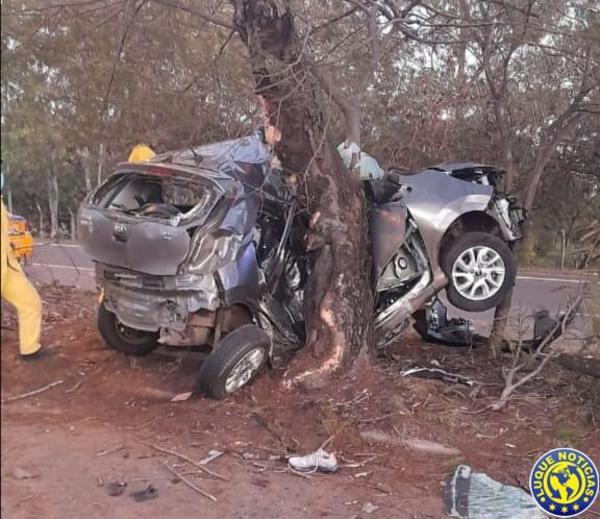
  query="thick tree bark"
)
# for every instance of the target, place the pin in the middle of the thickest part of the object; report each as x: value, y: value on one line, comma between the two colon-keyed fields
x: 338, y: 296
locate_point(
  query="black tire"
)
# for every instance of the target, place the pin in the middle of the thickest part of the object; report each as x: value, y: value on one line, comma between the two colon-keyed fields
x: 226, y: 355
x: 461, y: 245
x: 420, y: 324
x: 124, y: 339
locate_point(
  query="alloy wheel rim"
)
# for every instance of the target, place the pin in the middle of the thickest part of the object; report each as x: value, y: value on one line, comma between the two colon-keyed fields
x: 478, y: 273
x: 244, y: 370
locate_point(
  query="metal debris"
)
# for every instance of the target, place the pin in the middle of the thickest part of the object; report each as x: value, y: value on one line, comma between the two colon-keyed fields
x: 472, y: 495
x: 439, y: 374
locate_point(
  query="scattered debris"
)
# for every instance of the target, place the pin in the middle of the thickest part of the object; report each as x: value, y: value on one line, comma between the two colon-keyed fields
x: 318, y: 460
x: 541, y: 352
x: 369, y: 508
x: 439, y: 374
x: 473, y: 495
x: 32, y: 393
x: 182, y: 397
x: 115, y: 488
x: 185, y: 458
x: 212, y: 456
x: 415, y: 444
x: 111, y: 450
x: 356, y: 465
x: 21, y: 473
x: 183, y: 479
x: 290, y: 470
x: 433, y: 325
x: 147, y: 493
x: 367, y: 166
x: 152, y: 393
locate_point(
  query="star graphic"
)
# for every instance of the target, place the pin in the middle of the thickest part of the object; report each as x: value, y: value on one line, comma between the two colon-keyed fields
x: 576, y: 507
x: 552, y: 507
x: 564, y: 509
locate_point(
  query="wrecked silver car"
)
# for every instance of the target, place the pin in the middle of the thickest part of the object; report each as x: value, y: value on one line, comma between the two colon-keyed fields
x: 199, y: 248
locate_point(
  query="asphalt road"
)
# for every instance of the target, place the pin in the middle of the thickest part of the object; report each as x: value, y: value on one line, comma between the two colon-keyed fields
x: 68, y: 264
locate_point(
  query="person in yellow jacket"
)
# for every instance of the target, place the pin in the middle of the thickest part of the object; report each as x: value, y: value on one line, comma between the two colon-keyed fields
x: 18, y: 291
x: 141, y: 153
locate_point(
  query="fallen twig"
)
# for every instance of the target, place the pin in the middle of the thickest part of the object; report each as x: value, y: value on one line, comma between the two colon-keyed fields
x: 437, y: 373
x: 184, y: 458
x: 415, y: 444
x: 510, y: 375
x: 111, y: 450
x: 32, y: 393
x: 380, y: 418
x: 188, y: 482
x: 360, y: 464
x: 75, y: 387
x: 327, y: 442
x: 295, y: 472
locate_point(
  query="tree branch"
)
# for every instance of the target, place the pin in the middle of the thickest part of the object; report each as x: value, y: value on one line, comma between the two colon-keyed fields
x: 351, y: 111
x: 196, y: 12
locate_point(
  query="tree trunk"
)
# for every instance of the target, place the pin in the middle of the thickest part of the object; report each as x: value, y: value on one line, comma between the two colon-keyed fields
x: 88, y: 181
x: 501, y: 314
x: 100, y: 163
x: 502, y: 310
x: 563, y: 248
x: 542, y: 158
x: 53, y: 204
x: 73, y: 225
x: 41, y: 220
x: 338, y: 296
x: 9, y: 201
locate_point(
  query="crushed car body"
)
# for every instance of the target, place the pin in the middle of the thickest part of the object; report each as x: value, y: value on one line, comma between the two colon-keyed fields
x: 203, y: 247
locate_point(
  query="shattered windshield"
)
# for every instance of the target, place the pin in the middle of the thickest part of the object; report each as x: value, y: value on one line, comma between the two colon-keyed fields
x: 156, y: 196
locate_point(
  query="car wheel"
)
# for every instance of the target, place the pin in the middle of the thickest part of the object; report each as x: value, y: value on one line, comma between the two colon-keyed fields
x: 234, y: 362
x: 122, y: 338
x: 480, y: 269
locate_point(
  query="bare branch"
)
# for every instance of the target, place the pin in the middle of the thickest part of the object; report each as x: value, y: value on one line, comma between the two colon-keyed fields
x: 510, y: 375
x: 196, y: 12
x: 350, y: 110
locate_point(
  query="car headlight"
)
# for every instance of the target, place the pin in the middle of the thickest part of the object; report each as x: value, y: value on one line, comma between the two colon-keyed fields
x: 502, y: 208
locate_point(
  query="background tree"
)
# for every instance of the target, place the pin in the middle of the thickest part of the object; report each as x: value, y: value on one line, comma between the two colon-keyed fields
x: 414, y: 82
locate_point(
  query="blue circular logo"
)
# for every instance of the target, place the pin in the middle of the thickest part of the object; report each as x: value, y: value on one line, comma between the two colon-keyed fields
x: 564, y: 482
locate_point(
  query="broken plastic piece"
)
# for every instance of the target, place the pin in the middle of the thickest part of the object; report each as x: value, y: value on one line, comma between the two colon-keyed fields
x: 115, y: 488
x: 212, y: 456
x: 434, y: 326
x: 149, y: 492
x: 369, y: 508
x: 318, y: 460
x: 473, y: 495
x: 368, y: 167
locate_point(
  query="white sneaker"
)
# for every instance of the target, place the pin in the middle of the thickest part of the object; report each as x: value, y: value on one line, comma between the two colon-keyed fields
x: 318, y: 460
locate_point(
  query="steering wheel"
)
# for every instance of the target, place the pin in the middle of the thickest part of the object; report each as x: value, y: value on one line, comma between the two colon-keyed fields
x: 158, y: 210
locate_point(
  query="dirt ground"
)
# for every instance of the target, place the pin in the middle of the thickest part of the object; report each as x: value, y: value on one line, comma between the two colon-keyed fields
x: 66, y: 449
